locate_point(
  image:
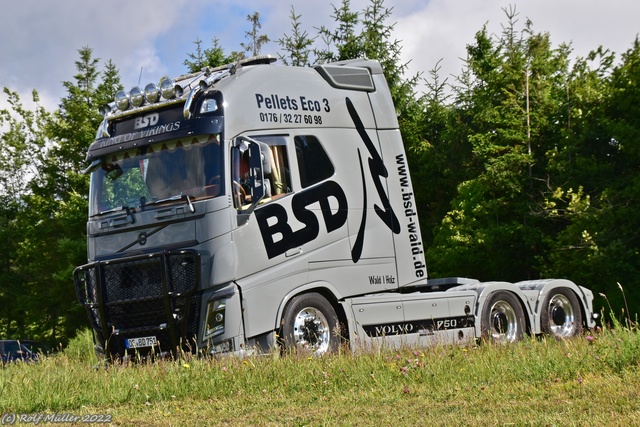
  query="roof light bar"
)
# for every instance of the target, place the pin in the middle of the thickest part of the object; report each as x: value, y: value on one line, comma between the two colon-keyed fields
x: 168, y: 89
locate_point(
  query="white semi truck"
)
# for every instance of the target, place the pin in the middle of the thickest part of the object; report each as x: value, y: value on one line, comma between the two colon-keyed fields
x: 255, y: 205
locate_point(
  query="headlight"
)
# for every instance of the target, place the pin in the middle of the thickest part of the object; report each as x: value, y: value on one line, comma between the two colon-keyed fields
x: 215, y: 318
x: 208, y: 105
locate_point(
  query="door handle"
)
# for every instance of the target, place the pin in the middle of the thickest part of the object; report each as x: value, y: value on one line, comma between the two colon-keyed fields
x: 293, y: 252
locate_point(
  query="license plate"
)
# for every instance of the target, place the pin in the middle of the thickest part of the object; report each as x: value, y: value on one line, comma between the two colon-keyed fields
x: 141, y: 342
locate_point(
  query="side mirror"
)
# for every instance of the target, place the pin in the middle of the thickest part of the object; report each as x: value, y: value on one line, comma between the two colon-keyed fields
x: 94, y: 166
x: 259, y: 163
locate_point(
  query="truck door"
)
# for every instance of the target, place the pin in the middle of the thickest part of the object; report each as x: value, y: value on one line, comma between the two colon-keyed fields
x: 277, y: 233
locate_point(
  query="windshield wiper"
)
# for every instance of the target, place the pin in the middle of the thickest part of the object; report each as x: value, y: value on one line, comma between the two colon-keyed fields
x: 173, y: 199
x: 118, y: 220
x: 116, y: 209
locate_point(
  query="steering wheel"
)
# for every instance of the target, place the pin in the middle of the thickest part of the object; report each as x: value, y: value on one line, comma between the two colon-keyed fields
x: 239, y: 193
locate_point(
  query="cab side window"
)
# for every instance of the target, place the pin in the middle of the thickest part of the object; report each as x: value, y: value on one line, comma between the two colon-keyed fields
x: 277, y: 175
x: 276, y: 171
x: 314, y: 164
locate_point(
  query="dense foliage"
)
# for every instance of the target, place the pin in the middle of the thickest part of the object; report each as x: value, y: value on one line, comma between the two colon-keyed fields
x: 525, y: 165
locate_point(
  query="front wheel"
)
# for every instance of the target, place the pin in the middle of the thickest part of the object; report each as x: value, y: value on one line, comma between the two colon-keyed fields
x: 561, y: 316
x: 502, y: 318
x: 310, y: 323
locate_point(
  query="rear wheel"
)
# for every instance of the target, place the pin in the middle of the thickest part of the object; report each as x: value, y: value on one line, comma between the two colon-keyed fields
x: 502, y: 318
x: 561, y: 316
x: 310, y: 323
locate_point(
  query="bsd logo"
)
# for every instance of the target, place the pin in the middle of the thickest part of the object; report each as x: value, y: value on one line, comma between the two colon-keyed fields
x: 273, y: 219
x: 145, y: 121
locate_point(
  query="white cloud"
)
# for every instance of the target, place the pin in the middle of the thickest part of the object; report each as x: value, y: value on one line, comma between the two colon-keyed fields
x: 440, y: 30
x: 39, y: 40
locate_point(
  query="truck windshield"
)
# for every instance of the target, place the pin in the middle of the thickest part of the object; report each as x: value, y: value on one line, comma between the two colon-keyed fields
x: 170, y: 170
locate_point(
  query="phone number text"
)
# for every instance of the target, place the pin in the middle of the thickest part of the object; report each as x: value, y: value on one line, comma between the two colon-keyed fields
x: 290, y: 118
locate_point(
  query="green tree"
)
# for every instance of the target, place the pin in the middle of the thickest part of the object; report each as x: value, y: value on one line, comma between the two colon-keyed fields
x: 50, y: 215
x: 507, y: 109
x: 578, y: 166
x: 211, y: 57
x: 596, y: 200
x: 214, y: 56
x: 23, y: 144
x: 343, y: 38
x: 370, y: 38
x: 256, y: 40
x: 623, y: 111
x: 439, y: 152
x: 10, y: 299
x: 297, y: 45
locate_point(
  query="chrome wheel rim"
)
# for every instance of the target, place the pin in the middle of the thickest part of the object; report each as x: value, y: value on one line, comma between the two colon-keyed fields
x: 561, y: 316
x: 504, y: 322
x: 311, y: 330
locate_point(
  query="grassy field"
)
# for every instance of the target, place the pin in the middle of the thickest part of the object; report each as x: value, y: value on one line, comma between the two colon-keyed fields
x: 592, y: 380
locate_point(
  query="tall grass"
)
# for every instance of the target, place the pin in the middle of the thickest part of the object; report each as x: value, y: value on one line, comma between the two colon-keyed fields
x: 589, y: 380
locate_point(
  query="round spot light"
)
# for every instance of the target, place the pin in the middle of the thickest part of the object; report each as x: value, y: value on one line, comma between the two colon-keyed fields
x: 152, y: 93
x: 122, y: 100
x: 136, y: 96
x: 168, y: 89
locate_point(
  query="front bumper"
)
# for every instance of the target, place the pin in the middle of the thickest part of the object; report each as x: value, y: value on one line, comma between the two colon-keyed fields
x: 142, y: 296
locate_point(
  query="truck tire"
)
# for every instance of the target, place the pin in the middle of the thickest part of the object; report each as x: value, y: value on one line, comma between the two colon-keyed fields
x: 310, y: 323
x: 561, y: 316
x: 502, y: 318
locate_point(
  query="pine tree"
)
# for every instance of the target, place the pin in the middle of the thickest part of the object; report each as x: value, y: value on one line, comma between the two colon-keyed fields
x: 507, y: 108
x: 343, y: 38
x: 211, y: 57
x: 256, y: 40
x: 297, y: 45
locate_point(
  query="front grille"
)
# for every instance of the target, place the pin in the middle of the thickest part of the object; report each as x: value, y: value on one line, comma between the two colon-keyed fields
x: 144, y: 295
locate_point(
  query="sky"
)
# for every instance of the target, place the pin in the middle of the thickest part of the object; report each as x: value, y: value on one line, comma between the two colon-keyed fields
x: 148, y: 39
